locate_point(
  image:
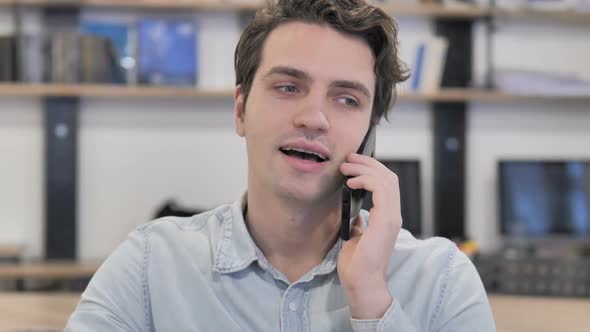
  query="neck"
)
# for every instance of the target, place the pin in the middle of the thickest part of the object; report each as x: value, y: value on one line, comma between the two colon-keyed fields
x: 293, y: 236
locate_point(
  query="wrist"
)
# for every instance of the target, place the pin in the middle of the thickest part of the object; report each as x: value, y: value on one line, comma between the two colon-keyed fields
x: 369, y: 303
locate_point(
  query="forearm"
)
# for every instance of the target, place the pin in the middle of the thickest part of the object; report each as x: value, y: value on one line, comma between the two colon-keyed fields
x: 369, y: 303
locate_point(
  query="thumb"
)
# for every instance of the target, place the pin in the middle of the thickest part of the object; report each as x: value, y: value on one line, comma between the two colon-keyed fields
x: 357, y: 226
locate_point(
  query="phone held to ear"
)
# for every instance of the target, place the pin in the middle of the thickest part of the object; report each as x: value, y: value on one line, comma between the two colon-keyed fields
x: 352, y: 199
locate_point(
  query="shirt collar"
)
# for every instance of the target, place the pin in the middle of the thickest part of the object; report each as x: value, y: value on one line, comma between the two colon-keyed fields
x: 237, y: 250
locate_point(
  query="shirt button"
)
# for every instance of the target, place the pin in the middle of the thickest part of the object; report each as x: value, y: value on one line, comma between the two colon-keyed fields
x: 293, y: 306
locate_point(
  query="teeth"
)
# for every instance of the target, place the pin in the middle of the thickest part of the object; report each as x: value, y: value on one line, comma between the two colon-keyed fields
x: 306, y: 151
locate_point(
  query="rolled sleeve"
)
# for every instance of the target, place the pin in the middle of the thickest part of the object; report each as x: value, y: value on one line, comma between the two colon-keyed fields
x: 393, y: 320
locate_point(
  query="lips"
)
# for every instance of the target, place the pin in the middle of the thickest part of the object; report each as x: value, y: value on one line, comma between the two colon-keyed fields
x: 306, y: 150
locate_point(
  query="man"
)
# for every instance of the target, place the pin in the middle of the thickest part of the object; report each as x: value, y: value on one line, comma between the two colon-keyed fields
x: 312, y: 75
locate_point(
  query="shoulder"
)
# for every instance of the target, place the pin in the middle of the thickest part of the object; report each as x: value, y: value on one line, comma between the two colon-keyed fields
x: 436, y: 256
x: 197, y: 223
x: 198, y: 235
x: 432, y: 276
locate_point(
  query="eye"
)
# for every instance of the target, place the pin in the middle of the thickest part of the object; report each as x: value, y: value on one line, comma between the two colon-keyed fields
x: 348, y: 101
x: 290, y: 89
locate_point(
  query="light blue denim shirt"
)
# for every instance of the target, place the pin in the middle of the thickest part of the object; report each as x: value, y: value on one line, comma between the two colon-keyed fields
x: 205, y: 273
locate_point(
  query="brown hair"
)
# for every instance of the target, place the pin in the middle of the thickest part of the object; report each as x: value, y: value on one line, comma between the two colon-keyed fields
x: 354, y: 17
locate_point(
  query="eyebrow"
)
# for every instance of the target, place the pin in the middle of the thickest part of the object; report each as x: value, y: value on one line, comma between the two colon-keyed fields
x: 289, y: 71
x: 299, y: 74
x: 353, y: 85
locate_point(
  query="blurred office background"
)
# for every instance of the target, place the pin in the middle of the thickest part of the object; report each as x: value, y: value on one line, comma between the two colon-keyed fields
x: 114, y: 113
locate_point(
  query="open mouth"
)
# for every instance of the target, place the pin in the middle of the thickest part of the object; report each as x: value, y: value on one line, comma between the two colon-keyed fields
x: 302, y: 154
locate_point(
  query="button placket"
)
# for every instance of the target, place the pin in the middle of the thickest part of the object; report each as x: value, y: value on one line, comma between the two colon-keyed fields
x: 292, y: 319
x: 293, y: 306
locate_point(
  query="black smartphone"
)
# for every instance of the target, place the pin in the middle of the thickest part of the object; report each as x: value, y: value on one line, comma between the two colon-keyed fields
x: 352, y: 199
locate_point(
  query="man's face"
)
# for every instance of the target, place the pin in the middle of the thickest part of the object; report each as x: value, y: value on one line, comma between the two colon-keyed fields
x: 312, y: 94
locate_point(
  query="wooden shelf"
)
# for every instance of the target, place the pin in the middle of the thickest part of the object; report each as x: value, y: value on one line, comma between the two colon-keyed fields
x: 435, y: 10
x: 567, y: 16
x: 139, y: 4
x: 467, y: 95
x: 108, y: 91
x: 114, y: 91
x: 47, y: 270
x: 393, y: 9
x: 10, y: 251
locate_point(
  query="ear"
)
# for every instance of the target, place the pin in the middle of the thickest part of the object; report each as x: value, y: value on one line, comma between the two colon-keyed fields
x: 375, y: 119
x: 239, y: 114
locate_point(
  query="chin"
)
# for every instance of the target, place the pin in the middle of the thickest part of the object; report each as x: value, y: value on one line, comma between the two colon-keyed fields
x: 304, y: 192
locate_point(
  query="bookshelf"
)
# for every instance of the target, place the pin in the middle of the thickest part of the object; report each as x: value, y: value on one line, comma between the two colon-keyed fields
x: 115, y: 91
x: 108, y: 91
x: 143, y: 4
x: 60, y: 101
x: 395, y: 9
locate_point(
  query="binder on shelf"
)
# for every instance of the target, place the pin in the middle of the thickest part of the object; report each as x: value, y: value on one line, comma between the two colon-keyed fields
x: 220, y: 33
x: 418, y: 67
x: 167, y: 52
x: 428, y: 64
x: 73, y: 58
x: 31, y: 58
x: 94, y: 66
x: 119, y: 36
x: 434, y: 64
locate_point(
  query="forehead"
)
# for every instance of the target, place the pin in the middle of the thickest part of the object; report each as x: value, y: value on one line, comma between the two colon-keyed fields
x: 323, y: 52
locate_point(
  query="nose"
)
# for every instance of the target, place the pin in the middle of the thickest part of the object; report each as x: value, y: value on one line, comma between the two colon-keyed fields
x: 312, y: 114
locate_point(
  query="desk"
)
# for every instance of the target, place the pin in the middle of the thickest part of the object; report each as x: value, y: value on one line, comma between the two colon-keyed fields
x: 540, y: 314
x: 21, y: 311
x: 512, y: 313
x: 47, y: 270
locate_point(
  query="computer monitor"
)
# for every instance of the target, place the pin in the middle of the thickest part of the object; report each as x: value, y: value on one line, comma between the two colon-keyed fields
x: 408, y: 172
x: 544, y: 199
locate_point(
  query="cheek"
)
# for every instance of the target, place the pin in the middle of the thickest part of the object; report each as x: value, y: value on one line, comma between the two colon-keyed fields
x: 343, y: 142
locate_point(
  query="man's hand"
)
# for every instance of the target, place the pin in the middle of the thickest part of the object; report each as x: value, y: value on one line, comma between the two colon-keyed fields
x: 363, y: 260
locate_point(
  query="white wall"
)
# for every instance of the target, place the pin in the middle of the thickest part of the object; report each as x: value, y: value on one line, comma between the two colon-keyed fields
x: 409, y: 136
x: 21, y: 171
x: 134, y: 154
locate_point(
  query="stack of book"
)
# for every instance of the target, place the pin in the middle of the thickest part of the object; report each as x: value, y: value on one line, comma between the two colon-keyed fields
x: 536, y: 82
x: 111, y: 49
x: 66, y: 57
x: 150, y: 51
x: 546, y: 5
x: 119, y: 47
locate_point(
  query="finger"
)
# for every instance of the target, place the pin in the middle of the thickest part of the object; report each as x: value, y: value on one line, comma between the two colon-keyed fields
x: 385, y: 192
x: 364, y: 181
x: 365, y: 160
x: 357, y: 227
x: 350, y: 169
